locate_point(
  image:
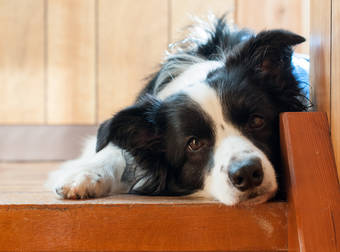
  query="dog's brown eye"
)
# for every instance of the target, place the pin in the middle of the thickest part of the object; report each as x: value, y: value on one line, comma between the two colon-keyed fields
x: 194, y: 144
x: 256, y: 122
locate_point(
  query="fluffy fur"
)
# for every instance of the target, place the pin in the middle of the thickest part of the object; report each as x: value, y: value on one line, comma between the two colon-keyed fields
x: 206, y: 123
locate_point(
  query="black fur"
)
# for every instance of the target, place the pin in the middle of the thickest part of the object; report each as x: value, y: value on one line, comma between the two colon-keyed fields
x: 156, y: 133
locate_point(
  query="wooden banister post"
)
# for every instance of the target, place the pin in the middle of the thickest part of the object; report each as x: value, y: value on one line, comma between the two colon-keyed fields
x: 312, y: 184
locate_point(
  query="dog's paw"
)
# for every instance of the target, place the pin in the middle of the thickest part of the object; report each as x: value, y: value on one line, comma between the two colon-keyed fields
x: 76, y: 183
x: 84, y: 185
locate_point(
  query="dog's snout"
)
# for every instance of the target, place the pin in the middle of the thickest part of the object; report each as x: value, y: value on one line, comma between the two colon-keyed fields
x: 246, y: 174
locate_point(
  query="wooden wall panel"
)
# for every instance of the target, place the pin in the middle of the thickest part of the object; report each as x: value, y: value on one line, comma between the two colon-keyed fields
x: 270, y: 14
x: 335, y: 82
x: 21, y: 61
x: 132, y: 38
x: 320, y: 54
x: 71, y: 62
x: 182, y: 11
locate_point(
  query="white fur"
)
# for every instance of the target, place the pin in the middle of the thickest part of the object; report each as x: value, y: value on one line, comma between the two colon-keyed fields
x: 92, y: 174
x: 218, y: 184
x: 177, y: 65
x: 189, y: 79
x: 198, y: 34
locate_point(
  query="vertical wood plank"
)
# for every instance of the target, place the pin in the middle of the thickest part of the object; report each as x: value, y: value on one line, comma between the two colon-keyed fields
x: 270, y: 14
x: 335, y: 82
x: 183, y: 10
x: 71, y: 62
x: 320, y: 54
x: 132, y: 38
x: 22, y: 61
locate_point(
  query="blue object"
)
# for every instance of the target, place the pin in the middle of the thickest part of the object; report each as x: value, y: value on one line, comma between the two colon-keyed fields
x: 300, y: 64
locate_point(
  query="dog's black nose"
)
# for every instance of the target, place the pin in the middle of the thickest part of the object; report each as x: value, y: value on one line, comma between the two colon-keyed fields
x: 246, y: 174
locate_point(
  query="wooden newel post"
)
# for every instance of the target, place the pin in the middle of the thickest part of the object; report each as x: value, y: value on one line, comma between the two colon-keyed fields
x: 312, y: 184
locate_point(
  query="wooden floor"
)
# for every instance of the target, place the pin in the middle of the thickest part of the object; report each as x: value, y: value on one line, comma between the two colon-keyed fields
x: 23, y: 183
x: 32, y: 218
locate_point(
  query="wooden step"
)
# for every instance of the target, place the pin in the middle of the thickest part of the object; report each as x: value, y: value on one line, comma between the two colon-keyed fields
x: 31, y: 218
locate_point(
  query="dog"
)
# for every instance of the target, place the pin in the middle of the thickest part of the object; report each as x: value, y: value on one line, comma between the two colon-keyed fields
x: 205, y: 124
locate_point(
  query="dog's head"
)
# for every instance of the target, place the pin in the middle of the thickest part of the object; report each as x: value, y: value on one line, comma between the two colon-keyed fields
x: 214, y: 128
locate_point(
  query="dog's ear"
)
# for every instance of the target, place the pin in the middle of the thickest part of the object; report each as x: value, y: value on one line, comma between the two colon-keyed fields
x: 139, y: 130
x: 133, y: 128
x: 269, y: 52
x: 266, y: 59
x: 103, y: 135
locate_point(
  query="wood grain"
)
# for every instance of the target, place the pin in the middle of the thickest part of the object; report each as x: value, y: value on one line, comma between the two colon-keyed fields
x: 313, y: 188
x: 335, y: 81
x: 320, y: 54
x: 132, y: 38
x: 273, y: 14
x: 32, y: 219
x: 142, y: 227
x: 182, y: 12
x: 22, y: 61
x: 71, y: 62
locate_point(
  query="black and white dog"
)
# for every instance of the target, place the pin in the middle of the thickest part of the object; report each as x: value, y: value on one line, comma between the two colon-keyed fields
x: 206, y: 123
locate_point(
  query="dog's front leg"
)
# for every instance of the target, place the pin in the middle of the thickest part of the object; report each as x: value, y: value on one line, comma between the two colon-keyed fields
x: 91, y: 175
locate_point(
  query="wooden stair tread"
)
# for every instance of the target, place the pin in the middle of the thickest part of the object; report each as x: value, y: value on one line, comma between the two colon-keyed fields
x: 23, y: 183
x: 32, y: 218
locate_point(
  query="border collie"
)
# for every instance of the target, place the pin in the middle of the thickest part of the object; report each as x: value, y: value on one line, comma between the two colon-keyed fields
x: 205, y: 123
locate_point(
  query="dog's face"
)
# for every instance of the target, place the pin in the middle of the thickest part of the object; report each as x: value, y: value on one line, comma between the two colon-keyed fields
x: 213, y: 130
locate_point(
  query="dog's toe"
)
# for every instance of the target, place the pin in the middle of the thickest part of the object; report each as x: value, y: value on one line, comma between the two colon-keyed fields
x: 83, y: 186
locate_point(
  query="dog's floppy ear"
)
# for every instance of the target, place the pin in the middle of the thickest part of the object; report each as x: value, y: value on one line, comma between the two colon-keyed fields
x: 103, y: 135
x: 139, y: 130
x: 268, y: 52
x: 272, y: 50
x: 133, y: 128
x: 266, y: 58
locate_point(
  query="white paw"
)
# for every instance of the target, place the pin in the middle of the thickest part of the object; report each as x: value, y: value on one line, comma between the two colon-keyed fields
x: 92, y: 175
x: 82, y: 186
x: 74, y: 182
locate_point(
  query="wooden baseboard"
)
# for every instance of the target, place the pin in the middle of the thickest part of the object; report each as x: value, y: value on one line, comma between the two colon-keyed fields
x: 42, y: 143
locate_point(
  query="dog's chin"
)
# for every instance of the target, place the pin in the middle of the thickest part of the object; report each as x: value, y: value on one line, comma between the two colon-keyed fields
x: 254, y: 198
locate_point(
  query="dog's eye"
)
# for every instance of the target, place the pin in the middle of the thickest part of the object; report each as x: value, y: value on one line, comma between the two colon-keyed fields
x: 256, y: 122
x: 194, y: 144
